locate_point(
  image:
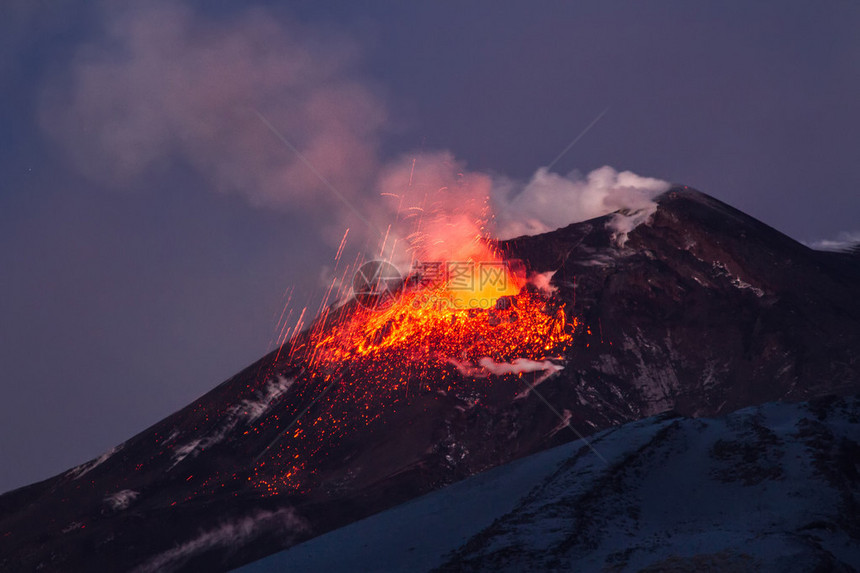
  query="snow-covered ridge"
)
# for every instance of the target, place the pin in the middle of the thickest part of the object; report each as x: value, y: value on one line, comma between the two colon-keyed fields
x: 766, y: 488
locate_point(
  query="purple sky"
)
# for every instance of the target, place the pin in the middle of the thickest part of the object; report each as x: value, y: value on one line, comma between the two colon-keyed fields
x: 147, y: 234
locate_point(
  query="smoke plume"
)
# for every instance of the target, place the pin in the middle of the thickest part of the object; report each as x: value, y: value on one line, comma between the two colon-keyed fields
x: 278, y: 112
x: 549, y: 201
x: 166, y: 86
x: 438, y: 209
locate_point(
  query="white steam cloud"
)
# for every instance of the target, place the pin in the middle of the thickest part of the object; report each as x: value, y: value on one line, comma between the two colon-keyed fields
x: 457, y: 207
x: 487, y: 366
x: 165, y: 86
x: 519, y: 366
x: 550, y: 201
x: 543, y: 282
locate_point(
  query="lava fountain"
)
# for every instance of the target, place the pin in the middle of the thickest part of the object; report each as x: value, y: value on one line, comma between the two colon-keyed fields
x: 434, y: 329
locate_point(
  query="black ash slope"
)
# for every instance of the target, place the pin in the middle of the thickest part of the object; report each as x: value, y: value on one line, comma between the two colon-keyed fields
x: 767, y: 488
x: 702, y: 311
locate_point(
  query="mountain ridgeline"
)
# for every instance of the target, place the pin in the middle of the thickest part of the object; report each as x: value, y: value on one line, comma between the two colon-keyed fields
x: 701, y: 311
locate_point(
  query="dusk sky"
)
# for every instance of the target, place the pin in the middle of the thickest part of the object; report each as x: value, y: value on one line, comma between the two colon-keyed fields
x: 151, y: 222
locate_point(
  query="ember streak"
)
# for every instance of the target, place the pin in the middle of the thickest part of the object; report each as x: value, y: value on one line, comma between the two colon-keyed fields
x: 360, y: 363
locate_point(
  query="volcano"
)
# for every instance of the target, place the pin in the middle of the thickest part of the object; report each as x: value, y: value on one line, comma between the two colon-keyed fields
x: 701, y: 310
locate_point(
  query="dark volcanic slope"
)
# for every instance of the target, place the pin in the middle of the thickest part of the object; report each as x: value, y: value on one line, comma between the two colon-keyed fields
x: 767, y: 488
x: 704, y: 310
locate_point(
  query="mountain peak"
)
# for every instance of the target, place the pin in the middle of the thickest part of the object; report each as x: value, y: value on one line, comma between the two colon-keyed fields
x: 702, y: 310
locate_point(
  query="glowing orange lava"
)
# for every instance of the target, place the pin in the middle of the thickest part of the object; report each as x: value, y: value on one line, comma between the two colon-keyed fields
x: 360, y: 363
x: 364, y: 360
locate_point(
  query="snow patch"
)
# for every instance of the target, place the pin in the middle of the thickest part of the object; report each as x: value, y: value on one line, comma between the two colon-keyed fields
x: 738, y: 283
x: 253, y: 409
x: 566, y: 415
x: 173, y: 435
x: 184, y: 451
x: 86, y: 468
x: 543, y: 378
x: 657, y: 385
x: 246, y: 411
x: 233, y: 534
x: 75, y: 525
x: 121, y: 499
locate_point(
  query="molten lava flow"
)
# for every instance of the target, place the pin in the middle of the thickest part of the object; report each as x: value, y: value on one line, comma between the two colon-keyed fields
x: 427, y: 330
x: 365, y: 359
x: 432, y: 322
x: 446, y: 322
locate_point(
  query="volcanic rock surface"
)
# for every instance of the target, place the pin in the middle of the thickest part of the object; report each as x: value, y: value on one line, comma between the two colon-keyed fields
x: 702, y: 310
x: 767, y: 488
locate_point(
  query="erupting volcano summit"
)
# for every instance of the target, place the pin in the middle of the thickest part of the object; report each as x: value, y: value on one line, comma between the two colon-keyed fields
x: 701, y: 309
